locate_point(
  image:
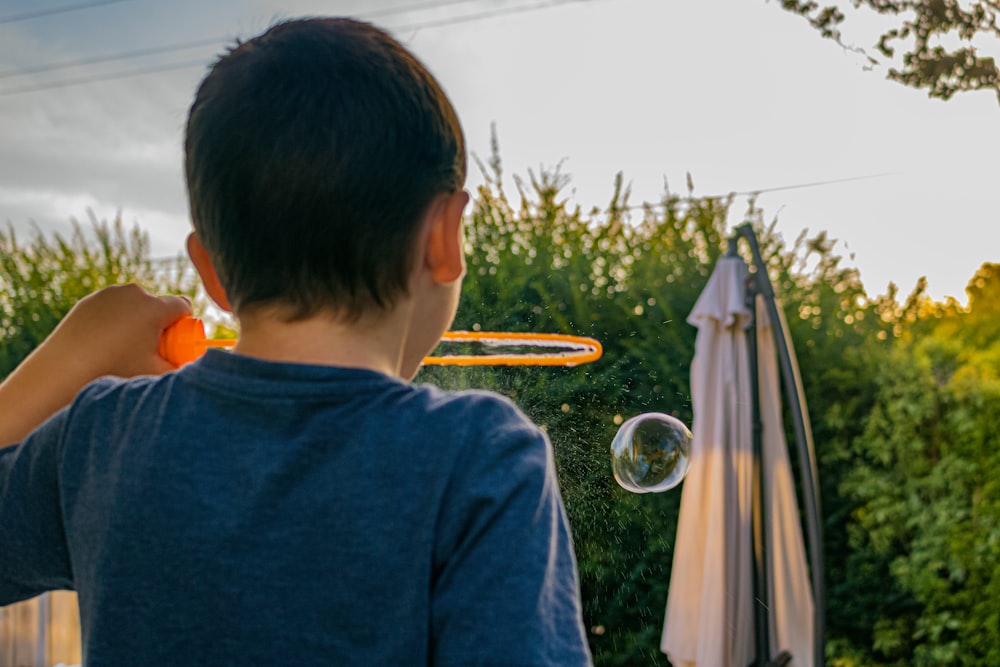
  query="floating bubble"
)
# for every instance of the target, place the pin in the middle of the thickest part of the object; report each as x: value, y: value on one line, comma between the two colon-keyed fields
x: 650, y: 453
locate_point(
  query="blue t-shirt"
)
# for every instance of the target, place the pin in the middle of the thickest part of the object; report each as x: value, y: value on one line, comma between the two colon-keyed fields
x: 242, y: 512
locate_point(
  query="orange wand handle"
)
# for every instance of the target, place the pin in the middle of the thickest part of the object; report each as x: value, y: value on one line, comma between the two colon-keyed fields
x: 184, y: 341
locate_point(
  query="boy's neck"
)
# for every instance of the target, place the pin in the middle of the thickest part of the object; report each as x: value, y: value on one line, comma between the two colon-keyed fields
x: 373, y: 343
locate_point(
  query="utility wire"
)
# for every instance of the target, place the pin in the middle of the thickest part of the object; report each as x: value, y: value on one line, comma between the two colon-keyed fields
x: 482, y: 15
x: 102, y: 77
x: 816, y: 184
x: 127, y: 55
x: 415, y: 7
x: 754, y: 193
x: 185, y: 46
x: 124, y: 55
x: 15, y: 18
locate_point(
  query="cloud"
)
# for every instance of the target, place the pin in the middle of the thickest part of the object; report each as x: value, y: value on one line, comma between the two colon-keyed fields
x: 114, y: 146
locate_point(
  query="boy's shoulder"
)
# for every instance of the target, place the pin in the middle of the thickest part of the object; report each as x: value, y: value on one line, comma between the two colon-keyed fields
x: 111, y: 384
x: 251, y: 380
x: 225, y: 395
x: 488, y: 411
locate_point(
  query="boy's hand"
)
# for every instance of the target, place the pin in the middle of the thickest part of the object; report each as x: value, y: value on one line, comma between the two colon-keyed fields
x: 115, y: 331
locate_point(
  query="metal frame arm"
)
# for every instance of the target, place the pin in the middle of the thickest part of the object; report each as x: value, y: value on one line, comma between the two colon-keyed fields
x: 792, y: 382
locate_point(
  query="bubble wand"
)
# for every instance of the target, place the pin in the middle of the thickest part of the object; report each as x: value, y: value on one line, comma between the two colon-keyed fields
x: 185, y: 341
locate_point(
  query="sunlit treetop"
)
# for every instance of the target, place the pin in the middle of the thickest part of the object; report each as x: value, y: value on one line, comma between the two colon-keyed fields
x: 944, y: 46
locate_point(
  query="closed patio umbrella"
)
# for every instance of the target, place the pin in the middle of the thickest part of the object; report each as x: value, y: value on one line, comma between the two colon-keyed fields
x: 721, y: 607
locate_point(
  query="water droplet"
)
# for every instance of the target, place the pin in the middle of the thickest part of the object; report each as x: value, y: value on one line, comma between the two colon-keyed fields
x: 650, y: 453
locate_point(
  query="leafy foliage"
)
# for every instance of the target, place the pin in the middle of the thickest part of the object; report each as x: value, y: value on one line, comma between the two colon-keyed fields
x: 943, y: 40
x: 40, y: 281
x: 925, y: 482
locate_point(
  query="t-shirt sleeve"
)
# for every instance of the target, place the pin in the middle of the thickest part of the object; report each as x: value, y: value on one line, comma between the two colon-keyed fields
x: 505, y: 590
x: 33, y: 554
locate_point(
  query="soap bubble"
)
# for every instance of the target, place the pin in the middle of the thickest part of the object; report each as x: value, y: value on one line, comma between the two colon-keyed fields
x: 650, y: 453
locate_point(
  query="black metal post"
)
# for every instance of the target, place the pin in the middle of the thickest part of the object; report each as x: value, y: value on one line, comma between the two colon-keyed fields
x: 792, y: 383
x: 761, y: 602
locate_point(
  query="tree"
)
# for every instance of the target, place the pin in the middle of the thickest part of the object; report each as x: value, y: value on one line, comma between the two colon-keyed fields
x: 927, y: 501
x: 41, y: 281
x: 944, y: 44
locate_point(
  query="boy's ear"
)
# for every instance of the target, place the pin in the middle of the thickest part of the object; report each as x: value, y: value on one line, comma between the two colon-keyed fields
x: 445, y: 256
x: 209, y: 278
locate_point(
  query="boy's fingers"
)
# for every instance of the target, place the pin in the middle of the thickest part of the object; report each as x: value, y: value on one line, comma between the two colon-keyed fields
x: 175, y: 307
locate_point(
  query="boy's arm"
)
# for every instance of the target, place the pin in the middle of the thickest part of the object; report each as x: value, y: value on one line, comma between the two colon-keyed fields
x: 114, y: 331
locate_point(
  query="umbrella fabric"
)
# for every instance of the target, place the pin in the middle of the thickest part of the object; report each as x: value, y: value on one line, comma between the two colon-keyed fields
x: 710, y: 608
x: 789, y: 585
x: 709, y: 620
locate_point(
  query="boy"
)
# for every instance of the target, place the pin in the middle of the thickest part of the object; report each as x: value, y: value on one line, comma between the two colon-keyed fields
x: 297, y: 502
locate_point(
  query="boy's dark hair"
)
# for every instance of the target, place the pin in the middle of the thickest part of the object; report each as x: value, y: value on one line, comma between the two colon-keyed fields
x: 311, y: 155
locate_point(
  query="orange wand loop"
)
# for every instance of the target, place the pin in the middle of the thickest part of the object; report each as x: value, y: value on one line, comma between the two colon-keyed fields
x: 184, y: 341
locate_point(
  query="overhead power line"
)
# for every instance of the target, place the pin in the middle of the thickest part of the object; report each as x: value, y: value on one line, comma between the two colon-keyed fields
x: 816, y: 184
x: 196, y: 44
x: 185, y: 46
x: 110, y: 76
x: 415, y: 7
x: 754, y: 193
x: 123, y: 55
x: 27, y: 16
x: 482, y: 15
x: 171, y: 48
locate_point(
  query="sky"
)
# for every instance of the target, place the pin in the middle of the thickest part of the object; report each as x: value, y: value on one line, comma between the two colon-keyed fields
x: 739, y: 94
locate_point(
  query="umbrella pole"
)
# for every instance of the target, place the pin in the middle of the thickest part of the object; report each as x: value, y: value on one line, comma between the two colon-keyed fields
x: 792, y: 382
x: 762, y: 631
